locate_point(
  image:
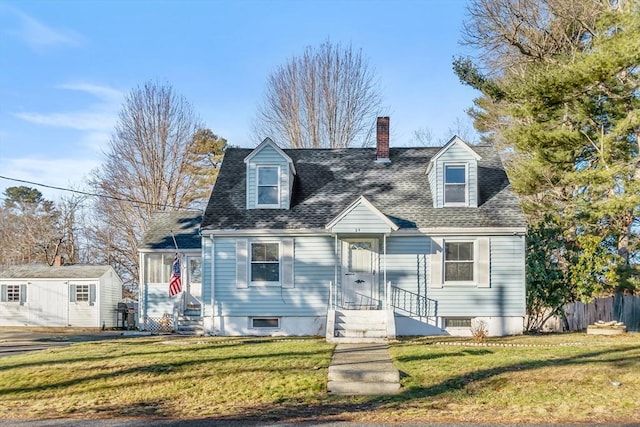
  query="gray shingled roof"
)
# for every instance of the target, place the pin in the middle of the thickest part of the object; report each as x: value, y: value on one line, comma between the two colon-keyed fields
x: 185, y: 226
x: 42, y: 271
x: 329, y: 180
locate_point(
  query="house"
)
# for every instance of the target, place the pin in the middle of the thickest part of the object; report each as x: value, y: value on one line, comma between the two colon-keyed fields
x: 362, y: 243
x: 61, y: 296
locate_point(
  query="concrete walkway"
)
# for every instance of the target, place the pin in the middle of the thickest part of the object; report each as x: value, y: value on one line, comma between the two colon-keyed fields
x: 362, y: 369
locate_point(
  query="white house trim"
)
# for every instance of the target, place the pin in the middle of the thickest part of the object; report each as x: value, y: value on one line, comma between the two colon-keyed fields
x: 361, y: 201
x: 264, y: 143
x: 453, y: 141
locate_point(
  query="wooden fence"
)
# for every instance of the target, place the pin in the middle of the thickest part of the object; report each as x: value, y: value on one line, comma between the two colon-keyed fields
x: 621, y: 308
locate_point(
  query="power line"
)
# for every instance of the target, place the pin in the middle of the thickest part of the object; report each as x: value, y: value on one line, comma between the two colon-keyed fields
x: 104, y: 196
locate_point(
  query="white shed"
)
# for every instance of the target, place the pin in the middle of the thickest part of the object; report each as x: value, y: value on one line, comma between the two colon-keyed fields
x: 69, y: 295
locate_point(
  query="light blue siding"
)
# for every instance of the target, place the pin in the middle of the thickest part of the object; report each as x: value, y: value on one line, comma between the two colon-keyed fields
x: 361, y: 219
x: 268, y: 156
x: 408, y: 260
x: 407, y: 263
x: 408, y: 266
x: 313, y: 269
x: 433, y: 186
x: 504, y: 297
x: 455, y: 154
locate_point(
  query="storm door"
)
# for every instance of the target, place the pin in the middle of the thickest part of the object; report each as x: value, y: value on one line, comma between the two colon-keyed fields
x: 359, y: 262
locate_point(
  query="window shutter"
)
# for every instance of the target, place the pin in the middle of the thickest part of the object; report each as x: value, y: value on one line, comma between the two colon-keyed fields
x: 483, y: 268
x: 72, y: 293
x: 4, y: 297
x: 435, y: 266
x: 23, y: 294
x: 92, y: 294
x: 287, y: 263
x: 241, y: 263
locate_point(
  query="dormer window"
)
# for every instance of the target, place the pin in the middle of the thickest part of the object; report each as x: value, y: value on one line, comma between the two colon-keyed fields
x: 455, y: 184
x: 268, y: 186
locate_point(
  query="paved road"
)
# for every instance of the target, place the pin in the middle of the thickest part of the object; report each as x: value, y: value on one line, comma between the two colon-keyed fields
x: 227, y: 423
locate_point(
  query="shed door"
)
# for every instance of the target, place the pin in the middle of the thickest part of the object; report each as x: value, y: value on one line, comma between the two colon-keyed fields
x: 359, y: 260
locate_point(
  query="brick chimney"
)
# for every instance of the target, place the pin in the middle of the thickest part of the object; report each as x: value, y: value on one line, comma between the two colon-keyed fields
x: 382, y: 140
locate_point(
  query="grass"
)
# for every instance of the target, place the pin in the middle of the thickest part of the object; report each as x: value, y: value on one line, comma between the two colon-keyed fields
x: 559, y: 378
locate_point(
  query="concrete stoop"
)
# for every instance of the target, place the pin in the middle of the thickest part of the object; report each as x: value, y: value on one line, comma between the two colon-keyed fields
x: 362, y: 369
x: 190, y: 325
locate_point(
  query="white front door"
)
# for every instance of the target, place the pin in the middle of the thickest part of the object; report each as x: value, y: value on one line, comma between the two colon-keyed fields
x: 359, y: 261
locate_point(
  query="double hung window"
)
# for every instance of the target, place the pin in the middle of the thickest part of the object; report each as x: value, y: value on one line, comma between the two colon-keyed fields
x: 458, y: 262
x: 265, y: 262
x: 268, y: 188
x: 455, y: 184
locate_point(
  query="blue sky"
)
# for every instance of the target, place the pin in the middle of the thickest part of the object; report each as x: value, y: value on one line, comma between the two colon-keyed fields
x: 66, y: 65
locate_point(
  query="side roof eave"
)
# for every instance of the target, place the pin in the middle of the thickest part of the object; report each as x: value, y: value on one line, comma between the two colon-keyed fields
x: 361, y: 201
x: 268, y: 141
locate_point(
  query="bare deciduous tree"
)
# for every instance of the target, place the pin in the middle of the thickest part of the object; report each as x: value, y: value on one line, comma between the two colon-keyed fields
x: 328, y: 97
x: 146, y: 170
x: 36, y: 230
x: 510, y: 33
x: 463, y: 128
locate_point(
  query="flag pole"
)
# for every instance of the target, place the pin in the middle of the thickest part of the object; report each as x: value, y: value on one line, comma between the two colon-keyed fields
x: 176, y: 276
x: 174, y: 241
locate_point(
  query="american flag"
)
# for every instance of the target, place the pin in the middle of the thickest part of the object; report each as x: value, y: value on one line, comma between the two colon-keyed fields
x: 175, y: 284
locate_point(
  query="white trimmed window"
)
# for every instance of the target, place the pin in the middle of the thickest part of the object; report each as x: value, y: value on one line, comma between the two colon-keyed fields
x: 265, y: 262
x: 455, y: 184
x: 158, y: 267
x: 82, y: 293
x: 458, y: 261
x: 14, y: 293
x: 268, y: 187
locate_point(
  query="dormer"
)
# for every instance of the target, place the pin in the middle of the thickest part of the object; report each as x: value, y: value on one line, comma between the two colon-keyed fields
x: 270, y: 176
x: 453, y: 175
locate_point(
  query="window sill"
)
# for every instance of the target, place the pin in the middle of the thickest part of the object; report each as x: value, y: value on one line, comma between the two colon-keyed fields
x: 265, y: 284
x: 461, y: 284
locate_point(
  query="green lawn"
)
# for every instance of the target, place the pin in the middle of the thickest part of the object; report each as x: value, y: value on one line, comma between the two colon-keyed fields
x: 559, y: 378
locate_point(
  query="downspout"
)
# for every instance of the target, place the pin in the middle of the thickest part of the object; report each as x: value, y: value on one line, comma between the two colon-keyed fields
x: 213, y: 284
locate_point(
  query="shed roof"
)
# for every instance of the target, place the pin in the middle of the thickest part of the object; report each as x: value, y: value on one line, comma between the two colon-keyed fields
x: 43, y: 271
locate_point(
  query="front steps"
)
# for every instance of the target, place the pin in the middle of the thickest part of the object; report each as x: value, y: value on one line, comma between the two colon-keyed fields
x: 362, y: 369
x: 360, y: 326
x: 190, y: 322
